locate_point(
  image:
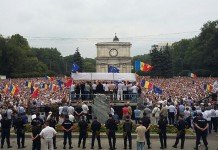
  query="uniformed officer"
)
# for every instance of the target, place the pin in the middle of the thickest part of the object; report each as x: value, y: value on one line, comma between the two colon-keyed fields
x: 111, y: 126
x: 96, y: 126
x: 201, y: 125
x: 19, y: 127
x: 35, y: 136
x: 67, y: 127
x: 52, y: 123
x: 162, y: 124
x: 127, y: 129
x: 181, y: 125
x: 146, y: 122
x: 83, y: 125
x: 37, y: 121
x: 5, y: 129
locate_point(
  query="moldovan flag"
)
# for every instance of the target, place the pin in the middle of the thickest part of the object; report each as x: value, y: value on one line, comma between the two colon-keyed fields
x: 208, y: 87
x: 140, y: 66
x: 45, y: 86
x: 28, y: 84
x: 146, y: 84
x: 6, y: 89
x: 13, y: 89
x: 49, y: 78
x: 192, y: 75
x: 35, y: 92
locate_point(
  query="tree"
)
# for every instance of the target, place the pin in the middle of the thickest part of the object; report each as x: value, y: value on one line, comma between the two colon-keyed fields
x: 78, y: 59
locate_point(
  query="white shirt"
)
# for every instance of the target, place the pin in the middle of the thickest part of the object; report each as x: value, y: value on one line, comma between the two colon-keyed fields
x: 70, y: 110
x: 85, y: 108
x: 112, y: 111
x: 172, y: 108
x: 208, y: 115
x: 94, y: 86
x: 216, y: 113
x: 48, y: 132
x: 106, y: 87
x: 187, y: 113
x: 213, y: 113
x: 71, y: 118
x: 60, y: 109
x: 33, y: 116
x: 134, y: 89
x: 72, y: 88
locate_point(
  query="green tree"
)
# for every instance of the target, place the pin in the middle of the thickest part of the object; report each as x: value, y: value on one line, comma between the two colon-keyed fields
x: 78, y: 59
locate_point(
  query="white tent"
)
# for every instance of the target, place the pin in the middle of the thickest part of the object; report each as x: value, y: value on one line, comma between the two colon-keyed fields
x: 104, y: 76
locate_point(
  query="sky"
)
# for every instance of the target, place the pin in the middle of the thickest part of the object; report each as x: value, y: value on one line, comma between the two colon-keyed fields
x: 68, y: 24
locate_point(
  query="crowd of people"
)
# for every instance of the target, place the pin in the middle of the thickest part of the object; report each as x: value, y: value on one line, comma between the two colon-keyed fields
x: 179, y: 105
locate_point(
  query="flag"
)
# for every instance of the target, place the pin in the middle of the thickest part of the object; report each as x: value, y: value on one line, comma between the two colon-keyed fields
x: 146, y: 84
x: 112, y: 69
x: 52, y: 87
x: 31, y: 89
x: 69, y: 83
x: 208, y: 87
x: 45, y: 86
x: 215, y: 87
x: 35, y: 92
x: 49, y: 78
x: 6, y: 88
x: 140, y: 66
x: 192, y: 75
x: 75, y: 68
x: 60, y: 84
x: 13, y: 89
x: 157, y: 90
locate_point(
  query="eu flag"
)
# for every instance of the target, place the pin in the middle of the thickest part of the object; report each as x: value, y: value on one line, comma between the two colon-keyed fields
x: 112, y: 69
x: 75, y: 68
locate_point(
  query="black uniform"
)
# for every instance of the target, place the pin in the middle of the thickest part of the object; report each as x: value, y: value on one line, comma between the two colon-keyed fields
x: 37, y: 121
x: 19, y: 126
x: 202, y: 123
x: 52, y: 123
x: 111, y: 126
x: 96, y: 126
x: 36, y: 142
x: 146, y: 122
x: 67, y: 124
x: 127, y: 128
x: 5, y: 129
x: 162, y: 123
x: 181, y: 126
x: 83, y: 125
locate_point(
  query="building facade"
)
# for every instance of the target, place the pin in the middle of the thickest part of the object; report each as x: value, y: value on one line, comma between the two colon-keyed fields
x: 114, y: 53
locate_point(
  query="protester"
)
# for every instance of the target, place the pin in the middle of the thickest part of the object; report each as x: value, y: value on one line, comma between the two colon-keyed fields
x: 140, y: 130
x: 146, y: 122
x: 127, y: 132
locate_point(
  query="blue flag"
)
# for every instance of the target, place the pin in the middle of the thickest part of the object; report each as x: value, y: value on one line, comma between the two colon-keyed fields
x: 75, y: 68
x: 112, y: 69
x: 157, y: 90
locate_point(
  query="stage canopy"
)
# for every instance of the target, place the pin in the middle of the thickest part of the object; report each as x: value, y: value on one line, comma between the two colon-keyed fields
x: 104, y: 76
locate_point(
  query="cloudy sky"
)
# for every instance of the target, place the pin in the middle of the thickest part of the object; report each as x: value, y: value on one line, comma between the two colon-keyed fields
x: 68, y: 24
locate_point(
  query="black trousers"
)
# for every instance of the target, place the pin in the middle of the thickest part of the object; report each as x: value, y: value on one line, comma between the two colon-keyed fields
x: 5, y: 135
x: 171, y: 117
x: 67, y: 135
x: 163, y: 138
x: 98, y: 139
x: 147, y: 136
x: 54, y: 141
x: 112, y: 136
x: 36, y: 144
x: 82, y: 136
x: 20, y: 139
x: 202, y: 135
x: 129, y: 137
x: 180, y: 135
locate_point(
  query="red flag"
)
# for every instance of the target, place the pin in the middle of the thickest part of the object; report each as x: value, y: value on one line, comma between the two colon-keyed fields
x: 147, y: 67
x: 69, y: 83
x: 35, y: 93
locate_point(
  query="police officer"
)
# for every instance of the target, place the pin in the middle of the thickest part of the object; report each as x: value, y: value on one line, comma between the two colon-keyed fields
x: 35, y: 136
x: 127, y: 128
x: 181, y: 125
x: 52, y: 123
x: 19, y: 127
x: 111, y: 127
x: 201, y: 125
x: 162, y: 124
x: 5, y: 129
x: 37, y: 121
x: 67, y: 127
x: 83, y: 125
x: 96, y: 126
x: 146, y: 122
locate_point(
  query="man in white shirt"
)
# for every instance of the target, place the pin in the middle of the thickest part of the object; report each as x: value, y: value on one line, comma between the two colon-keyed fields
x: 85, y: 110
x: 120, y: 91
x: 208, y: 117
x: 172, y: 113
x: 134, y: 89
x: 47, y: 134
x: 70, y: 110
